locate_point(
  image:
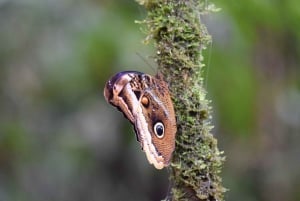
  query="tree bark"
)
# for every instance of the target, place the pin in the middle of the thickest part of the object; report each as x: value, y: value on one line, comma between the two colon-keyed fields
x: 180, y: 37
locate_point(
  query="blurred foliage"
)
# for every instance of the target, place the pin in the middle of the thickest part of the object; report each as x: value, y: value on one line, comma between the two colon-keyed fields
x: 59, y: 140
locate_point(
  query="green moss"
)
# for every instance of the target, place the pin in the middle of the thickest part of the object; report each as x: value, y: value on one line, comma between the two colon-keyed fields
x: 180, y: 38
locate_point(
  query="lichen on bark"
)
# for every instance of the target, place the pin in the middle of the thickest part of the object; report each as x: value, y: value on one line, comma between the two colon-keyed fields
x: 180, y: 37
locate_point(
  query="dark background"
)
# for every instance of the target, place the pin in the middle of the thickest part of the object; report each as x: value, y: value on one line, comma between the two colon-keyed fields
x: 59, y: 139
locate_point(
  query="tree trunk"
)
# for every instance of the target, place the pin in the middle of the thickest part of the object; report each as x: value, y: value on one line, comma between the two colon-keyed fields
x: 180, y: 38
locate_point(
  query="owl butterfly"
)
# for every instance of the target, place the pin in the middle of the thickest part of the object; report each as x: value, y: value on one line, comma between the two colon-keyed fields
x: 145, y: 101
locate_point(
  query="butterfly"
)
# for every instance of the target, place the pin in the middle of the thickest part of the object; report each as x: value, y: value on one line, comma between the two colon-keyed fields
x: 145, y: 101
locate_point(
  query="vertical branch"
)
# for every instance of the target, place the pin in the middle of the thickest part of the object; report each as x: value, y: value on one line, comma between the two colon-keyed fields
x: 180, y: 38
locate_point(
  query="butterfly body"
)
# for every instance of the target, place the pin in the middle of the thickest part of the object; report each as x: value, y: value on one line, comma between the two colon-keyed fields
x: 145, y: 101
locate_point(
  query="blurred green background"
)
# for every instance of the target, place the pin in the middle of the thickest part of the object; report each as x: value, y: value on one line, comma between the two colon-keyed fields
x: 59, y: 139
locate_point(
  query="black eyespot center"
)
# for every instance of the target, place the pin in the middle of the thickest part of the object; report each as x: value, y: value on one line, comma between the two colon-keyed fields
x: 159, y: 129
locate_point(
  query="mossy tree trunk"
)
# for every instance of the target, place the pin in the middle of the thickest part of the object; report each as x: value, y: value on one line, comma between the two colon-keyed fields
x: 180, y: 37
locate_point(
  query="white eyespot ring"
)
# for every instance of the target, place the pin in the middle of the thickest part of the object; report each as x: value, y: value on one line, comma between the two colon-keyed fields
x: 159, y: 130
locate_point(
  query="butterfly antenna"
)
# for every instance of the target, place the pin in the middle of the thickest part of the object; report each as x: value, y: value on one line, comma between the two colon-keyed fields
x: 143, y: 58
